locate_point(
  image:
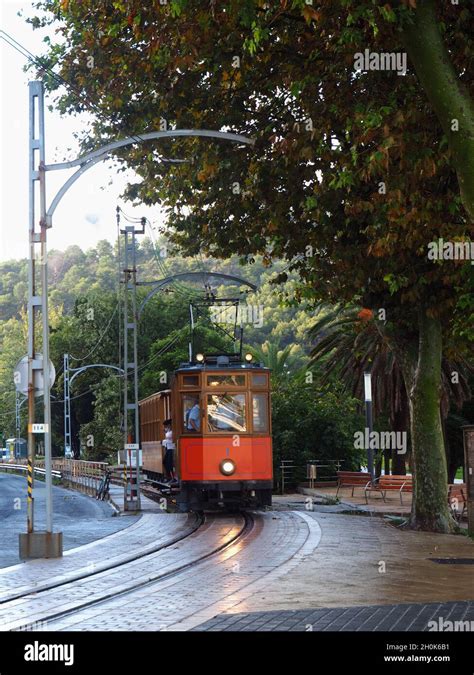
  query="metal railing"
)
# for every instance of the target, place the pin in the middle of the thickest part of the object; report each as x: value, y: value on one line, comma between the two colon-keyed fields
x: 83, y: 475
x: 314, y: 466
x: 79, y: 474
x: 287, y: 468
x: 22, y: 467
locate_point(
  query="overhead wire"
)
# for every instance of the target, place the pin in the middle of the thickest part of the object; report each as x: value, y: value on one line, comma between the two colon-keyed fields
x: 101, y: 337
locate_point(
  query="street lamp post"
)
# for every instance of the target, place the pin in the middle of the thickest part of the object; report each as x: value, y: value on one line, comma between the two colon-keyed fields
x: 48, y: 543
x: 68, y: 380
x: 369, y: 422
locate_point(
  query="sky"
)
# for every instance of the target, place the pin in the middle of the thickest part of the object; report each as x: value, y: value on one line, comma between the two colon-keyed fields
x: 87, y: 212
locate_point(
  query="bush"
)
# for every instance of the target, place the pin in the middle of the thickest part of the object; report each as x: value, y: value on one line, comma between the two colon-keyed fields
x: 309, y: 424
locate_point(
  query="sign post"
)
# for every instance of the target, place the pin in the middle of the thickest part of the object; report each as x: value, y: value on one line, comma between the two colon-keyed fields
x: 468, y: 433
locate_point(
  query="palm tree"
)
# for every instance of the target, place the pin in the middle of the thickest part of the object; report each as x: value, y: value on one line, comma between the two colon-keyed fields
x: 282, y: 362
x: 348, y: 343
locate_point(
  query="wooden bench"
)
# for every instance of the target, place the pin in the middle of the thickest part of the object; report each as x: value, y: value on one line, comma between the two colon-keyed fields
x: 351, y: 479
x: 457, y: 499
x: 389, y: 483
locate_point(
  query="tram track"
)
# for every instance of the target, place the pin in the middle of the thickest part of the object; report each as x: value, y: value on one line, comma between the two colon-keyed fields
x: 149, y: 550
x: 236, y: 532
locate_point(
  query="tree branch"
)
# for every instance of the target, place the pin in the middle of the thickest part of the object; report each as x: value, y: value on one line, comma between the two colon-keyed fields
x: 447, y: 94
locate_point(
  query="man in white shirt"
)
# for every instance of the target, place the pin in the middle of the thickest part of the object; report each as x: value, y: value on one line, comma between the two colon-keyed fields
x: 169, y: 446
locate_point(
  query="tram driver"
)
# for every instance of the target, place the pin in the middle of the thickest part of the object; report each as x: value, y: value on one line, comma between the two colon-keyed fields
x: 193, y: 417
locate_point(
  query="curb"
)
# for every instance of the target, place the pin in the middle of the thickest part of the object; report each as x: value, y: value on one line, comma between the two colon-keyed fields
x: 312, y: 493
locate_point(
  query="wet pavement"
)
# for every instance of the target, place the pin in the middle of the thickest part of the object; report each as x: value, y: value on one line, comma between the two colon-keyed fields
x: 363, y: 560
x: 144, y: 536
x: 304, y: 565
x: 80, y: 518
x: 191, y: 586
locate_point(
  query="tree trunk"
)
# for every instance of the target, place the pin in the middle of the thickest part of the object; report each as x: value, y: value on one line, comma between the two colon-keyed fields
x: 430, y: 505
x: 448, y: 95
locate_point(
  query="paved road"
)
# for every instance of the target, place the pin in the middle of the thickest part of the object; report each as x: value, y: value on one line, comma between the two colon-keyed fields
x: 80, y: 518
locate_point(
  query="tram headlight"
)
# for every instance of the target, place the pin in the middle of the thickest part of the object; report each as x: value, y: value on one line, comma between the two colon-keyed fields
x: 227, y: 467
x: 200, y: 358
x: 248, y: 357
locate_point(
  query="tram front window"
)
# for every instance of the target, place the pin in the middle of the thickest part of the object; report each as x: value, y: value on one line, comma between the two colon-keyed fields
x: 226, y: 412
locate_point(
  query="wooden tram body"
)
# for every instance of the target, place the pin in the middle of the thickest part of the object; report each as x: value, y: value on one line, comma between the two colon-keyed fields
x: 227, y: 460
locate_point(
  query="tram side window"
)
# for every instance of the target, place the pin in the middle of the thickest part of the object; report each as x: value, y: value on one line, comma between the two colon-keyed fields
x: 260, y: 412
x: 190, y: 380
x: 191, y: 413
x: 259, y: 380
x: 226, y: 412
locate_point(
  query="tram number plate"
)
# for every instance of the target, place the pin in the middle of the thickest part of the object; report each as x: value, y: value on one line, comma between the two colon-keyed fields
x: 38, y: 428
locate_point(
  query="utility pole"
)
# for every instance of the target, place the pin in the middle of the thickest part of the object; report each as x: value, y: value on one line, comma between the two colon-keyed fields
x: 17, y: 421
x: 47, y: 544
x: 130, y: 343
x: 67, y: 409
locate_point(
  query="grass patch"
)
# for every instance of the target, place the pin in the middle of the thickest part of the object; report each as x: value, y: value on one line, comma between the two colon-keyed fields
x: 397, y: 521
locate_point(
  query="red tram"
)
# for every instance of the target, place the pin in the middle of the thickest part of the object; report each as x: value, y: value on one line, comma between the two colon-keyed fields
x: 221, y: 422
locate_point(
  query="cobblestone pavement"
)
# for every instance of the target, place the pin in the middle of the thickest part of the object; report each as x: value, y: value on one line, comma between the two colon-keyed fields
x: 37, y: 608
x: 295, y: 570
x: 150, y: 532
x: 276, y: 544
x: 413, y: 617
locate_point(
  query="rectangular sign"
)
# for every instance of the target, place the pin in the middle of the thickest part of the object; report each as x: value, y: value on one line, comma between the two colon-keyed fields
x: 131, y: 446
x: 38, y: 428
x: 129, y: 457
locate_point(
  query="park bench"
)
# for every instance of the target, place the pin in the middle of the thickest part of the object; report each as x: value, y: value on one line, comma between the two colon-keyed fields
x: 389, y: 483
x: 351, y: 479
x: 457, y: 499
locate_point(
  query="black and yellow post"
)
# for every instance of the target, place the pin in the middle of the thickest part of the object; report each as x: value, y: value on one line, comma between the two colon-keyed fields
x: 30, y: 496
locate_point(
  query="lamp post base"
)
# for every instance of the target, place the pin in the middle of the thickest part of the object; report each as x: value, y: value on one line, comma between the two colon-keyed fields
x: 131, y: 505
x: 41, y: 545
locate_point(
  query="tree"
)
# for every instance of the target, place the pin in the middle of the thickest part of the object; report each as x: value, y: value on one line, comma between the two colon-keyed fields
x: 349, y: 342
x: 353, y: 172
x: 282, y: 362
x: 307, y: 425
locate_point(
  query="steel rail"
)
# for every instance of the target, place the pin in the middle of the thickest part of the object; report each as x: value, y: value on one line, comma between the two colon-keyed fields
x: 40, y: 588
x: 245, y: 529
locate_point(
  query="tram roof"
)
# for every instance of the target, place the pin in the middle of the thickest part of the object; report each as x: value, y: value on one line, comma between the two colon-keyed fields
x: 199, y: 367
